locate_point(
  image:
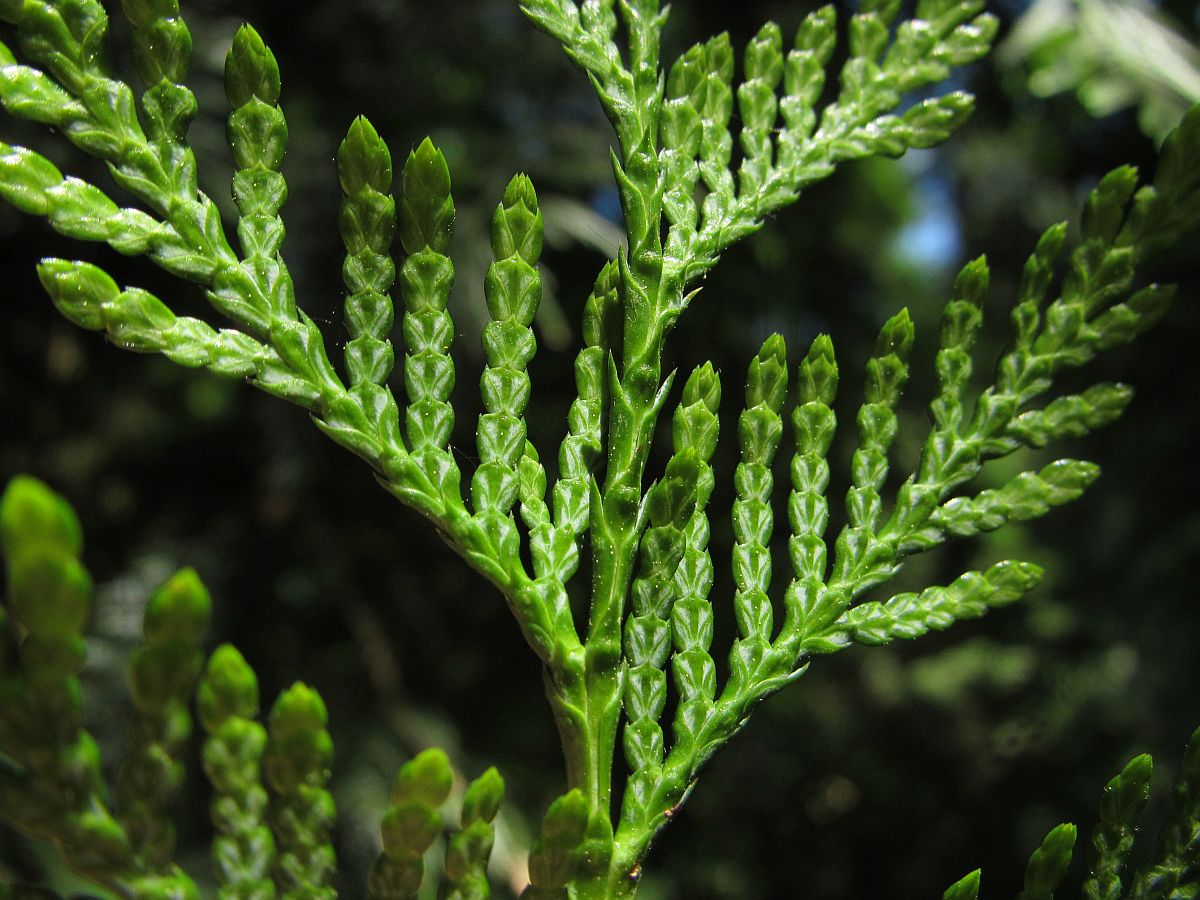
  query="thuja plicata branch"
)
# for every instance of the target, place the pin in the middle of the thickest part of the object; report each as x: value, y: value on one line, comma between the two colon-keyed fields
x: 608, y: 510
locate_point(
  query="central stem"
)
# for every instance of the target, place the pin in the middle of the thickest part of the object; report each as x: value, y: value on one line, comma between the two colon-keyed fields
x: 588, y: 703
x: 637, y: 396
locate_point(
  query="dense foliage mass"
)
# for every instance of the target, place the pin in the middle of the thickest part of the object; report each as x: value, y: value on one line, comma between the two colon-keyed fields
x: 630, y: 665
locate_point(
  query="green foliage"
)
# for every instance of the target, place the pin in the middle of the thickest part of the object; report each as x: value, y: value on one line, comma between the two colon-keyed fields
x: 1174, y: 871
x: 296, y: 762
x: 411, y: 824
x: 1102, y: 52
x: 638, y: 527
x: 1048, y: 864
x: 244, y: 848
x: 966, y: 888
x: 555, y: 856
x: 270, y: 808
x: 1121, y: 808
x: 51, y: 782
x: 465, y: 874
x: 162, y: 672
x: 426, y: 224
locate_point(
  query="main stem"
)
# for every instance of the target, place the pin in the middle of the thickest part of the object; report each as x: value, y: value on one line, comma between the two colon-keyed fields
x: 588, y: 704
x: 637, y: 396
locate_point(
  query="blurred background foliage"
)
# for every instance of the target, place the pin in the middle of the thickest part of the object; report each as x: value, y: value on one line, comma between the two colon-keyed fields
x: 884, y: 772
x: 1112, y: 54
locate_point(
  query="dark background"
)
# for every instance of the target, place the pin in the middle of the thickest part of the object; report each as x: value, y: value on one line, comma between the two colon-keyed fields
x: 884, y: 772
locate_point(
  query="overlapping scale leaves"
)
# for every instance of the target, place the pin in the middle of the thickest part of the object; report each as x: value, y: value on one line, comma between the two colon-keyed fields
x: 244, y: 847
x: 1057, y: 323
x: 55, y: 789
x: 556, y: 856
x: 694, y: 673
x: 271, y: 809
x: 271, y: 342
x: 706, y: 150
x: 368, y: 226
x: 163, y: 672
x: 760, y: 431
x: 1099, y: 304
x: 426, y: 222
x: 647, y: 644
x: 786, y: 140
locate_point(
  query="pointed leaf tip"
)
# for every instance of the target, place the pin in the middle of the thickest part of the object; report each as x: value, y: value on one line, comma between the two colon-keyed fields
x: 817, y: 33
x: 251, y: 71
x: 31, y: 514
x: 766, y: 381
x: 764, y: 55
x: 364, y: 160
x: 1049, y: 863
x: 1125, y: 795
x: 178, y: 612
x: 932, y: 122
x: 673, y: 499
x: 520, y: 191
x: 517, y: 228
x: 818, y: 374
x: 965, y: 889
x: 703, y: 386
x: 483, y: 797
x: 426, y: 779
x: 896, y: 336
x: 1104, y: 212
x: 426, y: 206
x: 426, y: 173
x: 774, y: 349
x: 229, y: 688
x: 78, y: 290
x: 1013, y: 579
x: 299, y: 710
x: 971, y: 284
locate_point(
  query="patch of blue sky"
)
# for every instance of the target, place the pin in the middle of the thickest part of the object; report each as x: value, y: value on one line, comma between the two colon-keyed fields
x: 932, y: 238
